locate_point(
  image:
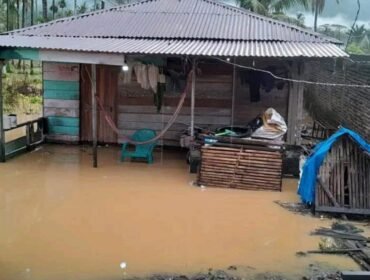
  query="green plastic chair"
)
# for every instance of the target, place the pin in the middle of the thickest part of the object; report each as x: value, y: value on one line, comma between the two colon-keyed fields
x: 141, y: 151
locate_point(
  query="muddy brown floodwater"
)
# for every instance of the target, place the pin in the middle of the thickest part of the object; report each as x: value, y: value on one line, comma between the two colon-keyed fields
x: 61, y: 219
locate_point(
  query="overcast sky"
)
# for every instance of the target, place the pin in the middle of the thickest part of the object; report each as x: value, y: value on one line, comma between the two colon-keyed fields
x: 343, y: 13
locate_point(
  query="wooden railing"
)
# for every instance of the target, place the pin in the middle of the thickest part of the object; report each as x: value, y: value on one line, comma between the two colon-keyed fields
x: 34, y: 136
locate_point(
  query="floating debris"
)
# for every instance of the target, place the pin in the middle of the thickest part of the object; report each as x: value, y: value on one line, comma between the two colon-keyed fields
x: 344, y: 239
x: 295, y: 207
x: 123, y: 265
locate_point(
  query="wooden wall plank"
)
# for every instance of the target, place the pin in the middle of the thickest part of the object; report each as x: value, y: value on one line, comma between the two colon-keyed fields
x: 61, y: 101
x: 171, y: 109
x: 155, y: 126
x: 61, y: 72
x: 62, y: 138
x: 150, y: 118
x: 62, y: 85
x: 64, y: 130
x: 64, y: 121
x: 61, y: 112
x: 173, y: 101
x: 62, y: 94
x: 53, y: 103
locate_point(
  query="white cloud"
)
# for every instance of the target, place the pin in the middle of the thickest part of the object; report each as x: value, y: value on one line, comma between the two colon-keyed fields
x: 338, y: 19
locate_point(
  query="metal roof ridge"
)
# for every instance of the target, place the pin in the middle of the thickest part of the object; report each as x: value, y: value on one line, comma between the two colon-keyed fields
x: 175, y: 39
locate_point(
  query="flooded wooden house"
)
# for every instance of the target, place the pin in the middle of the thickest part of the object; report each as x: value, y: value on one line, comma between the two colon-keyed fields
x: 91, y: 64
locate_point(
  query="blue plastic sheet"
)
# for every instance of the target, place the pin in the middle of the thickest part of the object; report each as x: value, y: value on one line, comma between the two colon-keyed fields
x: 311, y: 168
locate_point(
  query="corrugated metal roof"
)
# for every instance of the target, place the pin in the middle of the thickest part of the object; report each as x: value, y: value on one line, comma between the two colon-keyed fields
x: 181, y: 27
x: 177, y: 47
x: 175, y: 19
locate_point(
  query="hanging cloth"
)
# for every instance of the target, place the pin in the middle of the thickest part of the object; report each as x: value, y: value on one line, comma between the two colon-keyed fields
x: 144, y: 77
x: 137, y: 70
x: 161, y: 89
x: 153, y: 76
x: 141, y: 72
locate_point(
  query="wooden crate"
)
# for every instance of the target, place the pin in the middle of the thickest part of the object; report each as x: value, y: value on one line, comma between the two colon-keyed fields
x: 241, y: 168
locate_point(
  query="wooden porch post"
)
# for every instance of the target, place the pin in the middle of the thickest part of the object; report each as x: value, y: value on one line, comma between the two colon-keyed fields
x: 2, y: 134
x: 94, y: 116
x: 295, y: 106
x: 192, y: 101
x: 233, y: 96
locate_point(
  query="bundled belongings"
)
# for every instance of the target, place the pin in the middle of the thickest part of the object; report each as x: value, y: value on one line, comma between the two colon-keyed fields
x: 274, y: 126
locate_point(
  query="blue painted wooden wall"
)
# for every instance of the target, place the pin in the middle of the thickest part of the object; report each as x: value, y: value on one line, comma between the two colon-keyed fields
x: 61, y: 84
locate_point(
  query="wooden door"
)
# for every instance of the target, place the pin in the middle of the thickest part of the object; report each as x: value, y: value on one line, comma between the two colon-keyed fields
x: 107, y: 90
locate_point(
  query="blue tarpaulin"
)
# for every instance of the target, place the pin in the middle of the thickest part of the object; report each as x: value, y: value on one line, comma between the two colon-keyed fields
x: 310, y: 169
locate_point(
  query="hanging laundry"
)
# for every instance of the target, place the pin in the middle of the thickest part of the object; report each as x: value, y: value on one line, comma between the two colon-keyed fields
x: 141, y: 72
x: 137, y: 70
x: 162, y: 78
x: 153, y: 75
x: 161, y: 89
x: 254, y: 86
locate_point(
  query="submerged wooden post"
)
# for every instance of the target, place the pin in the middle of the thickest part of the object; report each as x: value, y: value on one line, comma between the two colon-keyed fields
x: 192, y: 101
x: 94, y: 116
x: 2, y: 134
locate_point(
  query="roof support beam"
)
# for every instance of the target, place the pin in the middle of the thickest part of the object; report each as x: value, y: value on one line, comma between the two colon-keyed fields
x: 192, y: 100
x: 82, y: 57
x: 295, y: 105
x: 233, y: 93
x: 62, y: 56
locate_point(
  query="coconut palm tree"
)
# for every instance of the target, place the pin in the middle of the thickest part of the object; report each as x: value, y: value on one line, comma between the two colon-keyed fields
x: 358, y: 33
x: 54, y: 9
x: 11, y: 15
x: 62, y: 4
x: 45, y: 10
x: 317, y: 7
x: 269, y: 7
x: 275, y: 8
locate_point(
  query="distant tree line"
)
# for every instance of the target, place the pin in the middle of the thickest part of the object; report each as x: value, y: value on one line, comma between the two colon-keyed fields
x: 16, y: 14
